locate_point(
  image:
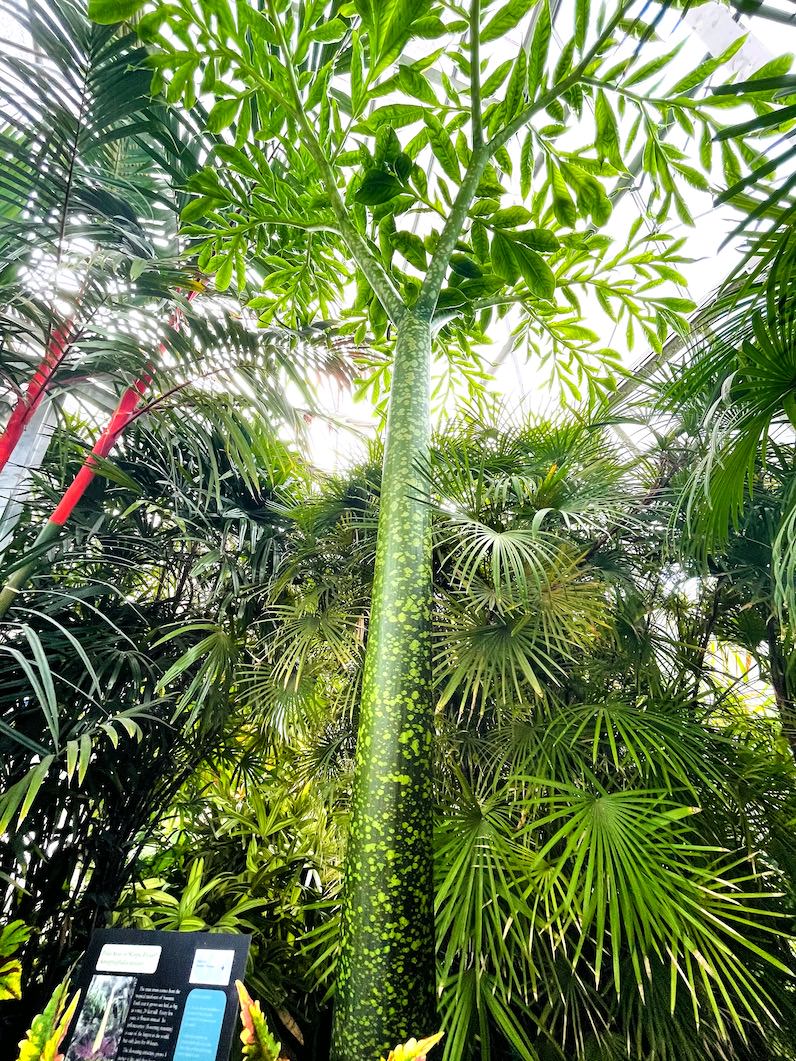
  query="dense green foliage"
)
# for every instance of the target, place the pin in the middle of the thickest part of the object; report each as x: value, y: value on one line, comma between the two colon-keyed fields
x: 502, y: 720
x: 599, y: 726
x: 317, y: 167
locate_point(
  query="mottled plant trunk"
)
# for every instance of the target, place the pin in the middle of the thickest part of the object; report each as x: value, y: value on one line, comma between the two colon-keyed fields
x: 385, y: 988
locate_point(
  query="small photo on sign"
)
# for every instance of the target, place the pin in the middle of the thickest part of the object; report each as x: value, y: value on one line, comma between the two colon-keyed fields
x: 212, y: 967
x: 102, y: 1018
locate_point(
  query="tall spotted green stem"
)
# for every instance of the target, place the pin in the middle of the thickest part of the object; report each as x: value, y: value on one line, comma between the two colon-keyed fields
x: 385, y: 990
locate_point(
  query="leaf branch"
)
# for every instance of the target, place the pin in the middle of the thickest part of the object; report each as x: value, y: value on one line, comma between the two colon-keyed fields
x: 432, y: 284
x: 483, y: 152
x: 367, y: 261
x: 522, y: 119
x: 475, y: 73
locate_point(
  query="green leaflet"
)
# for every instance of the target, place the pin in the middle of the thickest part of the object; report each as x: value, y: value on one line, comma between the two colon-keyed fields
x: 607, y: 142
x: 526, y: 165
x: 377, y: 187
x: 563, y: 205
x: 589, y: 193
x: 512, y: 259
x: 496, y: 79
x: 223, y: 114
x: 652, y: 67
x: 389, y: 24
x: 412, y: 248
x: 329, y: 32
x: 581, y: 22
x: 108, y: 12
x: 442, y: 146
x: 465, y: 266
x: 540, y: 45
x: 510, y: 217
x: 506, y: 19
x: 415, y: 84
x: 480, y: 241
x: 394, y: 114
x: 535, y: 271
x: 358, y: 84
x: 503, y: 261
x: 704, y: 70
x: 515, y: 90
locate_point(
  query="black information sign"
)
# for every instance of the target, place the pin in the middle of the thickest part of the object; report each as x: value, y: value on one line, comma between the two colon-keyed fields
x: 157, y: 996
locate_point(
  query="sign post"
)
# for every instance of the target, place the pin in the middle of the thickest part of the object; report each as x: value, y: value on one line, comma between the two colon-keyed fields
x: 157, y: 996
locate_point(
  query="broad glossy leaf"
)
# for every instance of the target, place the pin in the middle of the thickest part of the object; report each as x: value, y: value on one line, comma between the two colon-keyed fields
x: 503, y: 260
x: 538, y: 239
x: 415, y: 84
x: 403, y: 166
x: 390, y: 25
x: 411, y: 246
x: 429, y: 27
x: 489, y: 186
x: 394, y: 114
x: 589, y: 193
x: 480, y: 241
x: 329, y: 32
x: 465, y: 266
x: 535, y: 271
x: 223, y: 114
x: 511, y: 217
x: 224, y: 273
x: 377, y: 187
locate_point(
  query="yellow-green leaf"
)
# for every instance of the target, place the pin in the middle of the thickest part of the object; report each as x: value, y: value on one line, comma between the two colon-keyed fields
x: 10, y: 980
x: 503, y: 260
x: 506, y: 19
x: 442, y: 146
x: 540, y: 45
x: 329, y: 32
x: 536, y: 273
x: 109, y: 12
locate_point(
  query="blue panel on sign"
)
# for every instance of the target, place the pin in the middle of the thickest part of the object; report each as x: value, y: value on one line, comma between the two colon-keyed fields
x: 200, y: 1028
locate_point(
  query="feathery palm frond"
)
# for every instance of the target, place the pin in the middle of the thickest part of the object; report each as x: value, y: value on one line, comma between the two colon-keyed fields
x: 738, y: 388
x: 90, y: 167
x: 768, y: 214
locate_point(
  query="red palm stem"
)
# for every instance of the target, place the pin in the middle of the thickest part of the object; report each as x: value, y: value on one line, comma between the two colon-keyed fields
x: 125, y: 412
x: 27, y: 404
